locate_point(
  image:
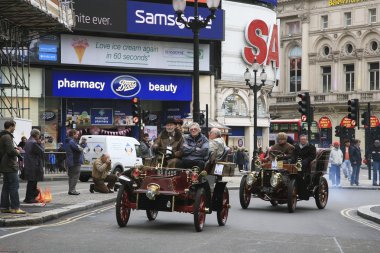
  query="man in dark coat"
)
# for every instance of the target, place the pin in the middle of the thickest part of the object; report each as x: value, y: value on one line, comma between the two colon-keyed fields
x: 356, y: 161
x: 33, y: 165
x: 10, y: 202
x: 74, y: 159
x: 305, y: 151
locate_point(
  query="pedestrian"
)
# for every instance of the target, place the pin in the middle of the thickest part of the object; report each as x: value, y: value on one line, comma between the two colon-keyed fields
x: 33, y: 165
x: 145, y: 147
x: 336, y: 160
x: 22, y: 143
x: 10, y: 202
x: 356, y: 161
x: 240, y: 158
x: 346, y: 165
x: 74, y: 160
x: 375, y: 155
x: 100, y: 174
x: 246, y: 160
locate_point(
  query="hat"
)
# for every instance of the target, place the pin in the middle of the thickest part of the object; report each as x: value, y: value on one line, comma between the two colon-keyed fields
x: 336, y: 143
x: 170, y: 120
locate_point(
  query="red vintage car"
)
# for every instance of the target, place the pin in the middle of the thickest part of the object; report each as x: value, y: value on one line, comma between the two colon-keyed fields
x: 155, y: 189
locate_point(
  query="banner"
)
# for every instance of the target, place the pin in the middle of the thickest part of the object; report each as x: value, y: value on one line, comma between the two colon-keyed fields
x: 101, y: 116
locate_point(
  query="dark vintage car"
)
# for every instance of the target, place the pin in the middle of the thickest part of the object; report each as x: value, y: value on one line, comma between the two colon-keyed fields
x: 281, y: 183
x: 155, y: 189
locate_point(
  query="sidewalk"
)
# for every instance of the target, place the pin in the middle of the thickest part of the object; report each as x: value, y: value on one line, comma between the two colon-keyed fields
x: 63, y: 203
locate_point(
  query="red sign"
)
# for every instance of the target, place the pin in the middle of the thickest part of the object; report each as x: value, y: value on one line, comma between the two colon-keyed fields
x: 325, y: 122
x: 375, y: 121
x: 303, y: 118
x: 348, y: 123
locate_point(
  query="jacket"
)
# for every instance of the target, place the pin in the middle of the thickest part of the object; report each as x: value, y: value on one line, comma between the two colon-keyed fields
x: 336, y: 156
x: 164, y: 140
x: 33, y: 160
x: 287, y: 149
x: 74, y: 155
x: 195, y: 148
x: 375, y: 154
x: 8, y: 153
x: 100, y: 170
x: 307, y: 153
x: 145, y: 150
x: 355, y: 156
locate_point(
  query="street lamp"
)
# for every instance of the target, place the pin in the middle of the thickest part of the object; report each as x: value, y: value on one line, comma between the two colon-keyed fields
x: 255, y: 88
x: 195, y: 25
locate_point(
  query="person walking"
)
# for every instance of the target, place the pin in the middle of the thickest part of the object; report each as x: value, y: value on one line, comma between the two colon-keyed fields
x: 336, y: 160
x: 375, y: 155
x: 346, y: 165
x: 10, y: 202
x: 74, y: 159
x: 356, y: 162
x: 33, y: 165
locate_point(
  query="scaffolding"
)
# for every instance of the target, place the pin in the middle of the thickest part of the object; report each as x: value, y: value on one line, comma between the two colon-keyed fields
x: 22, y: 21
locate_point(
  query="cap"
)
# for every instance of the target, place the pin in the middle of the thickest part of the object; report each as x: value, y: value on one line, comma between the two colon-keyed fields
x: 170, y: 120
x: 336, y: 143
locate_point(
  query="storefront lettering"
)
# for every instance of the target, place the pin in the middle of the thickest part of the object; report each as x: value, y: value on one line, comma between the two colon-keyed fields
x: 163, y: 87
x: 81, y: 84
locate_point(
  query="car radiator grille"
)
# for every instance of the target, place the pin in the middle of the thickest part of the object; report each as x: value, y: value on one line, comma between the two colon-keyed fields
x: 266, y: 175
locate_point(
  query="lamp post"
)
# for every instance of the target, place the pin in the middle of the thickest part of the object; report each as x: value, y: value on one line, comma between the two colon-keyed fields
x: 195, y: 25
x: 255, y: 88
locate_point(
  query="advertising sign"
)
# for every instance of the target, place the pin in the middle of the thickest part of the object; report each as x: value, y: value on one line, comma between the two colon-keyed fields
x: 374, y: 121
x: 101, y: 116
x: 348, y: 123
x: 83, y: 84
x: 141, y: 54
x: 160, y: 20
x: 325, y: 122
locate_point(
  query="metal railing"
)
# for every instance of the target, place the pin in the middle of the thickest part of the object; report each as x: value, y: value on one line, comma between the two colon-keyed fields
x: 55, y: 162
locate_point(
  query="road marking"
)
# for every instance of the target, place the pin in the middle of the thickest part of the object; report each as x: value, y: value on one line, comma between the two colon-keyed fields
x: 337, y: 243
x: 346, y: 213
x: 18, y: 232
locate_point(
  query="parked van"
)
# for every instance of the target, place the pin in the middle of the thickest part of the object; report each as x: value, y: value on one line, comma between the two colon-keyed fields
x: 124, y: 153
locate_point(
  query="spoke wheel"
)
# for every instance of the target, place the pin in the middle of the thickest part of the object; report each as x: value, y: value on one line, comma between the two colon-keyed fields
x: 151, y: 214
x: 292, y: 196
x: 122, y: 210
x: 322, y: 193
x: 244, y: 193
x: 222, y: 213
x: 199, y: 209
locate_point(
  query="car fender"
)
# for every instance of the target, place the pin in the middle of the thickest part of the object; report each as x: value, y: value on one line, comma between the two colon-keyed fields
x: 218, y: 194
x: 207, y: 189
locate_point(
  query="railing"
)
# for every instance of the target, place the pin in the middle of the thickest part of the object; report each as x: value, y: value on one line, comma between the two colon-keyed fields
x: 55, y: 162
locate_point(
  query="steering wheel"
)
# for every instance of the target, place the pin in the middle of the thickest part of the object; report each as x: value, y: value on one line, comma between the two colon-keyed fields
x: 277, y: 153
x: 165, y: 152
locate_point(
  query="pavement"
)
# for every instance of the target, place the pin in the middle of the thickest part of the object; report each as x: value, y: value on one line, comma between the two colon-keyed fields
x: 63, y: 204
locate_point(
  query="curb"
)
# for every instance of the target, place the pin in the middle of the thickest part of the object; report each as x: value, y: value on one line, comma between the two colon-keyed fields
x: 39, y: 218
x: 365, y: 212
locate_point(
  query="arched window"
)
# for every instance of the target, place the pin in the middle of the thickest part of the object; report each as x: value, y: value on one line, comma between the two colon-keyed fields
x: 234, y: 106
x: 295, y: 64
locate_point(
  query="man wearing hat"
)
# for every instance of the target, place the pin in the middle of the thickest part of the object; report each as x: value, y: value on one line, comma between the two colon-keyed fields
x: 283, y: 146
x: 170, y: 141
x: 336, y: 160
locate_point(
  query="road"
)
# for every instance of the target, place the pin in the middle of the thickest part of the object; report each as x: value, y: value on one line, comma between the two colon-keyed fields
x: 260, y: 228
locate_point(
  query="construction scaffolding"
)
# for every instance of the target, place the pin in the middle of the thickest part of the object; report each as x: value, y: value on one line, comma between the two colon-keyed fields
x: 22, y: 21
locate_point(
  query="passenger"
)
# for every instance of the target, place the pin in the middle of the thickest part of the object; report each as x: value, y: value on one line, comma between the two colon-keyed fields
x: 305, y: 151
x: 216, y: 142
x: 283, y: 146
x: 100, y: 175
x: 145, y: 147
x: 179, y: 123
x: 195, y: 148
x: 170, y: 141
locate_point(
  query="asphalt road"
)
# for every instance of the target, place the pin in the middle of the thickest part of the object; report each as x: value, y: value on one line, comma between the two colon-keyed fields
x: 260, y: 228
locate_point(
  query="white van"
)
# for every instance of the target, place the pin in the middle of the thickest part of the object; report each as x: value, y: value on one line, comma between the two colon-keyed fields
x: 124, y: 153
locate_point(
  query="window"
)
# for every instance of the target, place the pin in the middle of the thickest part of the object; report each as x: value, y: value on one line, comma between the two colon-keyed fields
x: 349, y: 70
x: 324, y: 21
x: 372, y: 15
x: 293, y: 27
x: 347, y: 18
x: 234, y: 106
x: 326, y: 79
x: 349, y: 48
x: 325, y: 51
x: 374, y: 45
x: 295, y: 64
x: 374, y: 76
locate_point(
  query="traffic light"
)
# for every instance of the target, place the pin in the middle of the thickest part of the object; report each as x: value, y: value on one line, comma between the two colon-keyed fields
x: 337, y: 131
x: 201, y: 119
x: 353, y: 110
x: 136, y: 110
x: 304, y: 107
x: 365, y: 119
x: 146, y: 117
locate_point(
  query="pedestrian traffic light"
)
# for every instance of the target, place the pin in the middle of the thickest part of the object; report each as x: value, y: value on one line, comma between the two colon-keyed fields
x: 337, y: 131
x: 304, y: 106
x: 136, y: 110
x: 146, y: 117
x: 353, y: 110
x: 365, y: 119
x: 201, y: 119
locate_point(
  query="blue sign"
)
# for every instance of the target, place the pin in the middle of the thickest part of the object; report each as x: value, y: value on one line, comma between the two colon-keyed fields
x: 272, y: 2
x: 160, y: 20
x: 101, y: 116
x: 46, y: 48
x: 47, y: 57
x: 85, y: 84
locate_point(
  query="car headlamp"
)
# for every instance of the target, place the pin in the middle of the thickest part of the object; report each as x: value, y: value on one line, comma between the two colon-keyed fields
x: 250, y: 179
x: 153, y: 191
x: 275, y: 179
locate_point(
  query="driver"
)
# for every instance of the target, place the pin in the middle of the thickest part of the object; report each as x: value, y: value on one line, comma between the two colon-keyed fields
x: 305, y: 151
x: 170, y: 141
x: 283, y: 146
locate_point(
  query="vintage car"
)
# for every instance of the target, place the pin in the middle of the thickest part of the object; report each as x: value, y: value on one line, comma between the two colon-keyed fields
x: 158, y: 188
x: 281, y: 183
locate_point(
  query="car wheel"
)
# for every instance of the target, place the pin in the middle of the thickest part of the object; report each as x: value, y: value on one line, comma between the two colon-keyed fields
x: 321, y: 194
x: 292, y: 196
x: 244, y: 193
x: 118, y: 170
x: 274, y: 202
x: 122, y: 210
x: 151, y: 214
x: 222, y: 213
x: 84, y: 177
x: 199, y: 209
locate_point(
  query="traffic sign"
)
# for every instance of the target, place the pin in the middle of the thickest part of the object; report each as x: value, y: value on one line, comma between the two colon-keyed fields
x: 303, y: 118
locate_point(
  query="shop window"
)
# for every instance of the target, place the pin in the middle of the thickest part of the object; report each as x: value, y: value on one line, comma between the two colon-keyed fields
x: 374, y: 76
x: 347, y: 19
x: 295, y: 64
x: 372, y: 15
x: 324, y: 21
x: 349, y: 70
x: 235, y: 106
x: 326, y: 79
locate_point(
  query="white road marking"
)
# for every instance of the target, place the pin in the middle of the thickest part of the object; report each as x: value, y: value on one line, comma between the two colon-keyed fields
x: 337, y: 243
x: 346, y: 213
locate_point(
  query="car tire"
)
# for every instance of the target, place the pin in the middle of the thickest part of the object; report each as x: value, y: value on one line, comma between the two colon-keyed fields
x: 199, y: 209
x: 84, y: 177
x: 244, y: 193
x: 321, y: 194
x: 118, y: 170
x: 274, y: 202
x: 222, y: 212
x: 151, y: 214
x: 292, y: 195
x: 122, y: 211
